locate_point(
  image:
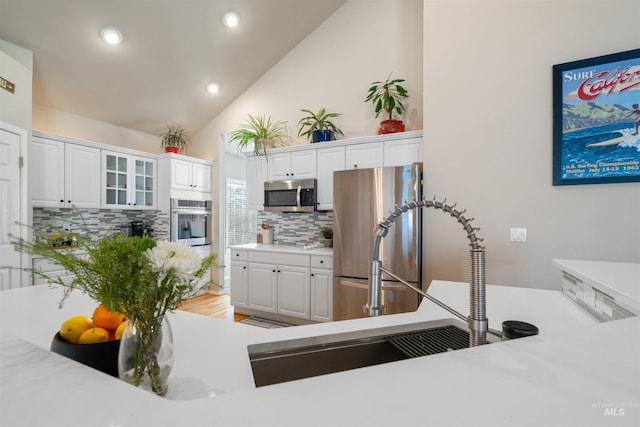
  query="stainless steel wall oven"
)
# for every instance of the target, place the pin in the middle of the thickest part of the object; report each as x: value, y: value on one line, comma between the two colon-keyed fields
x: 191, y: 221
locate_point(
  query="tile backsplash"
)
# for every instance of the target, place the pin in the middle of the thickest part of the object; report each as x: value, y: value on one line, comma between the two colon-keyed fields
x: 297, y: 229
x: 101, y: 221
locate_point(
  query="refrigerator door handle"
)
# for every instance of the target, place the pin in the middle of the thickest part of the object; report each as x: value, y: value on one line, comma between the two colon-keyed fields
x: 386, y: 286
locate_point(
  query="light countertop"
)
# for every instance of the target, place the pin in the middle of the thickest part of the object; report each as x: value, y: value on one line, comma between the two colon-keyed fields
x: 284, y: 248
x: 575, y: 373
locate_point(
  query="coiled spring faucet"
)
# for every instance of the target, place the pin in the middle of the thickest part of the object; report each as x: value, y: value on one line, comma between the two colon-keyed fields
x: 477, y: 321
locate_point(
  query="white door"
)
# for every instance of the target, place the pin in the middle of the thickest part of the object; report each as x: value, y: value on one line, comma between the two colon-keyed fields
x: 10, y: 207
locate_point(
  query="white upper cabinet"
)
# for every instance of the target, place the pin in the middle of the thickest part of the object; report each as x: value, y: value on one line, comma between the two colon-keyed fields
x: 362, y: 156
x: 64, y: 174
x: 402, y: 152
x: 321, y: 160
x: 256, y: 175
x: 129, y: 181
x: 329, y: 160
x: 292, y: 165
x: 189, y: 175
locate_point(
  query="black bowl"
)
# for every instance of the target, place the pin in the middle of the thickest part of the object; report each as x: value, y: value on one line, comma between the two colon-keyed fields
x: 101, y: 356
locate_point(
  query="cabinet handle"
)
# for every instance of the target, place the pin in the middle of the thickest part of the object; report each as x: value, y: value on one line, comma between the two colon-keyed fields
x: 273, y: 271
x: 321, y: 262
x: 61, y: 201
x: 278, y: 271
x: 244, y: 267
x: 69, y: 201
x: 355, y: 166
x: 311, y: 274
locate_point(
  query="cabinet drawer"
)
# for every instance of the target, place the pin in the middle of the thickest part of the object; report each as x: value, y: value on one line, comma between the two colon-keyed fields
x: 322, y: 261
x: 299, y: 260
x: 237, y: 255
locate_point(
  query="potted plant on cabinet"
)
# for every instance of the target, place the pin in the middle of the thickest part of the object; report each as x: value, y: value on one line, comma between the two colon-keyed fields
x: 262, y: 132
x: 174, y: 139
x: 318, y: 127
x: 387, y: 96
x: 327, y: 233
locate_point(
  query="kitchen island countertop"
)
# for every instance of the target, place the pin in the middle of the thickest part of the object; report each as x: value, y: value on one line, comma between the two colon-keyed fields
x: 575, y: 373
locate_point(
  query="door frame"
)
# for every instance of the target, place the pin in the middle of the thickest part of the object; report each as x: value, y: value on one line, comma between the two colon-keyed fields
x: 26, y: 215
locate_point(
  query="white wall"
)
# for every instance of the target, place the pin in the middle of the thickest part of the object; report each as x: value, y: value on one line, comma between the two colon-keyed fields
x: 488, y: 136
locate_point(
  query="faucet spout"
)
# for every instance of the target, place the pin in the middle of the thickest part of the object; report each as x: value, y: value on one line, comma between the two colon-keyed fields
x: 477, y: 321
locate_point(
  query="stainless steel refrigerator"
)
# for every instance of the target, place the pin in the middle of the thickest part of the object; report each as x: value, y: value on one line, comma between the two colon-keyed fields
x: 362, y: 198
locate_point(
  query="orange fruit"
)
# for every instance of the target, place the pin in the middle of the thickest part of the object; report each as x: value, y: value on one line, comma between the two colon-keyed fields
x: 93, y: 336
x: 73, y: 327
x: 109, y: 320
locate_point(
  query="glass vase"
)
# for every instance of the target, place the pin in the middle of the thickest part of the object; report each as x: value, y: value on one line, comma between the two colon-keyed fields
x: 146, y: 354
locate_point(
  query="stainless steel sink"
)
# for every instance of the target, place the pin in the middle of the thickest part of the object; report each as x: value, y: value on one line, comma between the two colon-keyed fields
x: 290, y: 360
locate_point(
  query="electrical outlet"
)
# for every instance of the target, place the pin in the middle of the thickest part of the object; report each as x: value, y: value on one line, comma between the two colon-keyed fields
x: 519, y: 235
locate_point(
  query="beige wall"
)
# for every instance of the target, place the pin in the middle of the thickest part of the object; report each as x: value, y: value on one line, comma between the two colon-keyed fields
x: 16, y: 65
x: 488, y: 136
x: 67, y: 124
x: 333, y: 67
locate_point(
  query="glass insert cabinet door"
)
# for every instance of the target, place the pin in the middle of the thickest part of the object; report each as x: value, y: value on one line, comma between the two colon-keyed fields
x: 117, y: 180
x: 143, y: 176
x: 129, y: 181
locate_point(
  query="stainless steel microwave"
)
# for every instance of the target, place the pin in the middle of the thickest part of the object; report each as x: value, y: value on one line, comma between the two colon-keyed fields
x: 292, y: 195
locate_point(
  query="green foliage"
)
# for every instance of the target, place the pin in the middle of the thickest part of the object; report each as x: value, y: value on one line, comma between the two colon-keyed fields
x: 117, y: 271
x: 175, y: 136
x: 387, y: 96
x: 320, y: 121
x: 327, y: 232
x: 257, y: 129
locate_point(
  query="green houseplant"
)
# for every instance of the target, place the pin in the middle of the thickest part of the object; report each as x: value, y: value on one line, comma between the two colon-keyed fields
x: 174, y: 139
x: 260, y: 131
x: 318, y: 126
x: 327, y: 233
x: 387, y: 96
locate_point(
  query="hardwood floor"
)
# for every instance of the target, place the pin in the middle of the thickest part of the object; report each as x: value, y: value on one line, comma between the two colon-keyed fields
x: 218, y: 306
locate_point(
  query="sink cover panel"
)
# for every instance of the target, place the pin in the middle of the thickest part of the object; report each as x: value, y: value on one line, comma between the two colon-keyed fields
x: 430, y: 341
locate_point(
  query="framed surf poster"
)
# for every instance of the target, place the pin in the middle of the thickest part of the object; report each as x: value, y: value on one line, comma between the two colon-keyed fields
x: 596, y: 119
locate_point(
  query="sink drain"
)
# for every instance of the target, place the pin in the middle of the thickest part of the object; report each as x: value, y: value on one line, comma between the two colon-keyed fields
x: 430, y: 341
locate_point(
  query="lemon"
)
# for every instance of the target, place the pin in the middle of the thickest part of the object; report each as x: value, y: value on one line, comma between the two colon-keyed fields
x: 93, y: 336
x: 118, y: 334
x: 73, y: 327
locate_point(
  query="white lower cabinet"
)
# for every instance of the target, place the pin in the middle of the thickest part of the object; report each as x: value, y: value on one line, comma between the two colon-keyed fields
x: 239, y: 279
x: 286, y: 284
x: 263, y: 287
x: 51, y: 270
x: 321, y: 287
x: 293, y: 291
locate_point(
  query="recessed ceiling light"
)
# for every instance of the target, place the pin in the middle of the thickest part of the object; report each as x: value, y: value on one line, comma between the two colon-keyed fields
x: 231, y: 19
x: 111, y: 35
x: 212, y: 88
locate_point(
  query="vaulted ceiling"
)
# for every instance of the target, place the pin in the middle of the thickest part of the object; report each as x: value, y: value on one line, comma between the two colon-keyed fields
x: 171, y: 50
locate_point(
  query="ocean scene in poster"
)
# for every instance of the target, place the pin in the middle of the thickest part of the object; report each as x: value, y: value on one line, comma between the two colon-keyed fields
x: 600, y: 120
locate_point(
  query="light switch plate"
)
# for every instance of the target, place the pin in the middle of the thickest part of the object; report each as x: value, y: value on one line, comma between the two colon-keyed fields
x: 519, y: 235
